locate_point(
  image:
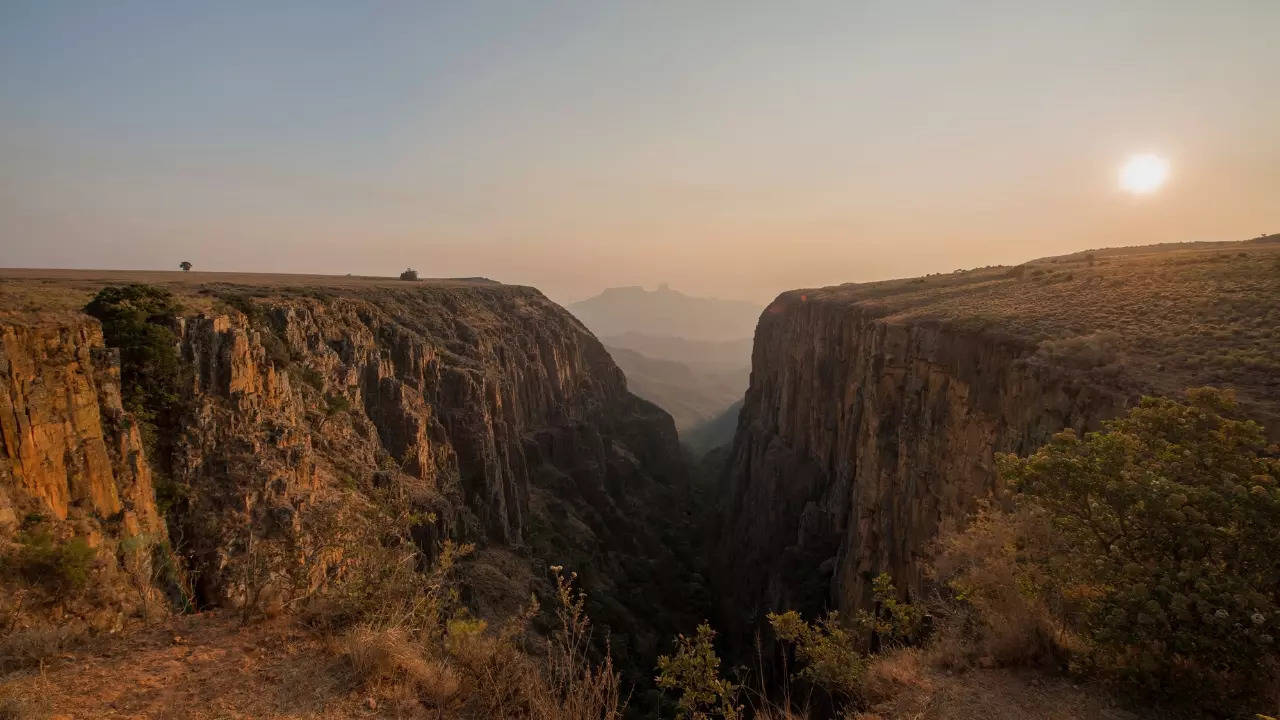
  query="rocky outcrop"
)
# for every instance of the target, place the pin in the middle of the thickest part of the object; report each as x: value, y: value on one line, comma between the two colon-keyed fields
x: 68, y: 451
x: 861, y: 436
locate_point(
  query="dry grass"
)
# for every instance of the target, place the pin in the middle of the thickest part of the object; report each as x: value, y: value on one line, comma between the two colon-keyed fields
x: 998, y: 621
x: 32, y: 646
x: 38, y: 289
x: 891, y: 674
x: 995, y: 695
x: 1154, y: 320
x: 472, y: 671
x: 382, y: 657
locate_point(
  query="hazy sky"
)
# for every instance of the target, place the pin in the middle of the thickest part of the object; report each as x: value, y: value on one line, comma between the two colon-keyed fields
x: 733, y: 149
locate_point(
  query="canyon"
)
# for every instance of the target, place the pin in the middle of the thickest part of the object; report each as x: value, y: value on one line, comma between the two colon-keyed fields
x: 318, y: 414
x: 485, y: 411
x: 689, y: 355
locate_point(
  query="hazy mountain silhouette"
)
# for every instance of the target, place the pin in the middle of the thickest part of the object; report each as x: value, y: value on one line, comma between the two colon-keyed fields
x: 721, y: 354
x: 664, y: 311
x: 689, y: 355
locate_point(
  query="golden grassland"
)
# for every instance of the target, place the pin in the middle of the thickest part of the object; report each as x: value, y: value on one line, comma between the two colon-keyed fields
x: 1155, y: 319
x: 44, y: 290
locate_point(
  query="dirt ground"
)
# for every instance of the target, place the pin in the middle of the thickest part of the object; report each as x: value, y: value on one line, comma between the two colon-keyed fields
x: 995, y: 695
x: 203, y: 667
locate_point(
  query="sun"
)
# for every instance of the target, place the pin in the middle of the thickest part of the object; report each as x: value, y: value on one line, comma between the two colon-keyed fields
x: 1143, y: 174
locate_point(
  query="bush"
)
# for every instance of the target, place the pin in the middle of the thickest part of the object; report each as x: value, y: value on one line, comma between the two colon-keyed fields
x: 61, y: 568
x: 693, y: 672
x: 892, y: 622
x: 335, y: 404
x: 138, y: 319
x: 1000, y: 569
x: 409, y: 274
x: 1158, y: 546
x: 828, y: 650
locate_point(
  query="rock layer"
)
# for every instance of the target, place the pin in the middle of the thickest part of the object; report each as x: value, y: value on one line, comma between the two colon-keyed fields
x: 860, y: 438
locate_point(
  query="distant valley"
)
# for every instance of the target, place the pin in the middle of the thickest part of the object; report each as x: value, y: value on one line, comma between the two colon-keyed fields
x: 689, y: 355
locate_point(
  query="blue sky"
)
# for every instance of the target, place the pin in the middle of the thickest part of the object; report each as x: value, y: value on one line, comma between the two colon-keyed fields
x: 734, y: 149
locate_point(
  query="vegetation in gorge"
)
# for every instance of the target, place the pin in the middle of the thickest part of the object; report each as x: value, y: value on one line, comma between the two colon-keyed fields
x: 831, y: 657
x: 139, y: 320
x: 1141, y: 555
x: 1144, y: 552
x: 59, y: 567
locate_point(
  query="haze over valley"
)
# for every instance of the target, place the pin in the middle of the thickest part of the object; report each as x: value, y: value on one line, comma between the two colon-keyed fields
x: 689, y: 355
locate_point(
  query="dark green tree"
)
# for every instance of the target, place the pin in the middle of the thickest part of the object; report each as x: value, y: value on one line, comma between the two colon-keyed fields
x: 139, y: 320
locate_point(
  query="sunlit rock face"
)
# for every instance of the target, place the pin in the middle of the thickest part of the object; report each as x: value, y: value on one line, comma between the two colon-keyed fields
x: 68, y: 451
x: 486, y: 411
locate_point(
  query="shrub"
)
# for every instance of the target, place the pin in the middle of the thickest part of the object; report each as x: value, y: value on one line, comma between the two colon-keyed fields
x: 1000, y: 569
x: 828, y: 650
x: 1160, y: 546
x: 138, y: 319
x: 335, y: 404
x: 892, y: 622
x: 693, y: 672
x: 61, y: 568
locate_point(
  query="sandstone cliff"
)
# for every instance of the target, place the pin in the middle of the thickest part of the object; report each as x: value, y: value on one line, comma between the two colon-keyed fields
x: 479, y: 398
x: 875, y: 410
x: 495, y: 416
x: 67, y: 448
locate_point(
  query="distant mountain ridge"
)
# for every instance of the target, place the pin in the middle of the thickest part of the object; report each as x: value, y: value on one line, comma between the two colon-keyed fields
x: 689, y: 355
x: 718, y: 354
x: 664, y: 311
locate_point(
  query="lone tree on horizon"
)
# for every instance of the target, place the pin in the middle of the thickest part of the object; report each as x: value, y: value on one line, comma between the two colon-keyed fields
x: 409, y: 274
x: 185, y: 265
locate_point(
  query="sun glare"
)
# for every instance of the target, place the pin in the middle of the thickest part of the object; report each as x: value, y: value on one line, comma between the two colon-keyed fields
x: 1143, y: 174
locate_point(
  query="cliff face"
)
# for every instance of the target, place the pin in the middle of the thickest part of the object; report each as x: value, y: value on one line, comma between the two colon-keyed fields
x: 68, y: 451
x: 486, y: 412
x: 859, y: 438
x: 875, y: 410
x: 474, y: 397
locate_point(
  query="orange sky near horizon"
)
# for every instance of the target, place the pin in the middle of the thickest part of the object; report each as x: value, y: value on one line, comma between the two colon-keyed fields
x: 729, y: 149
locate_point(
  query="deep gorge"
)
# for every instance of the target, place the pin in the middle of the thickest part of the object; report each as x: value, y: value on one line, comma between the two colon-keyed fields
x: 485, y: 414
